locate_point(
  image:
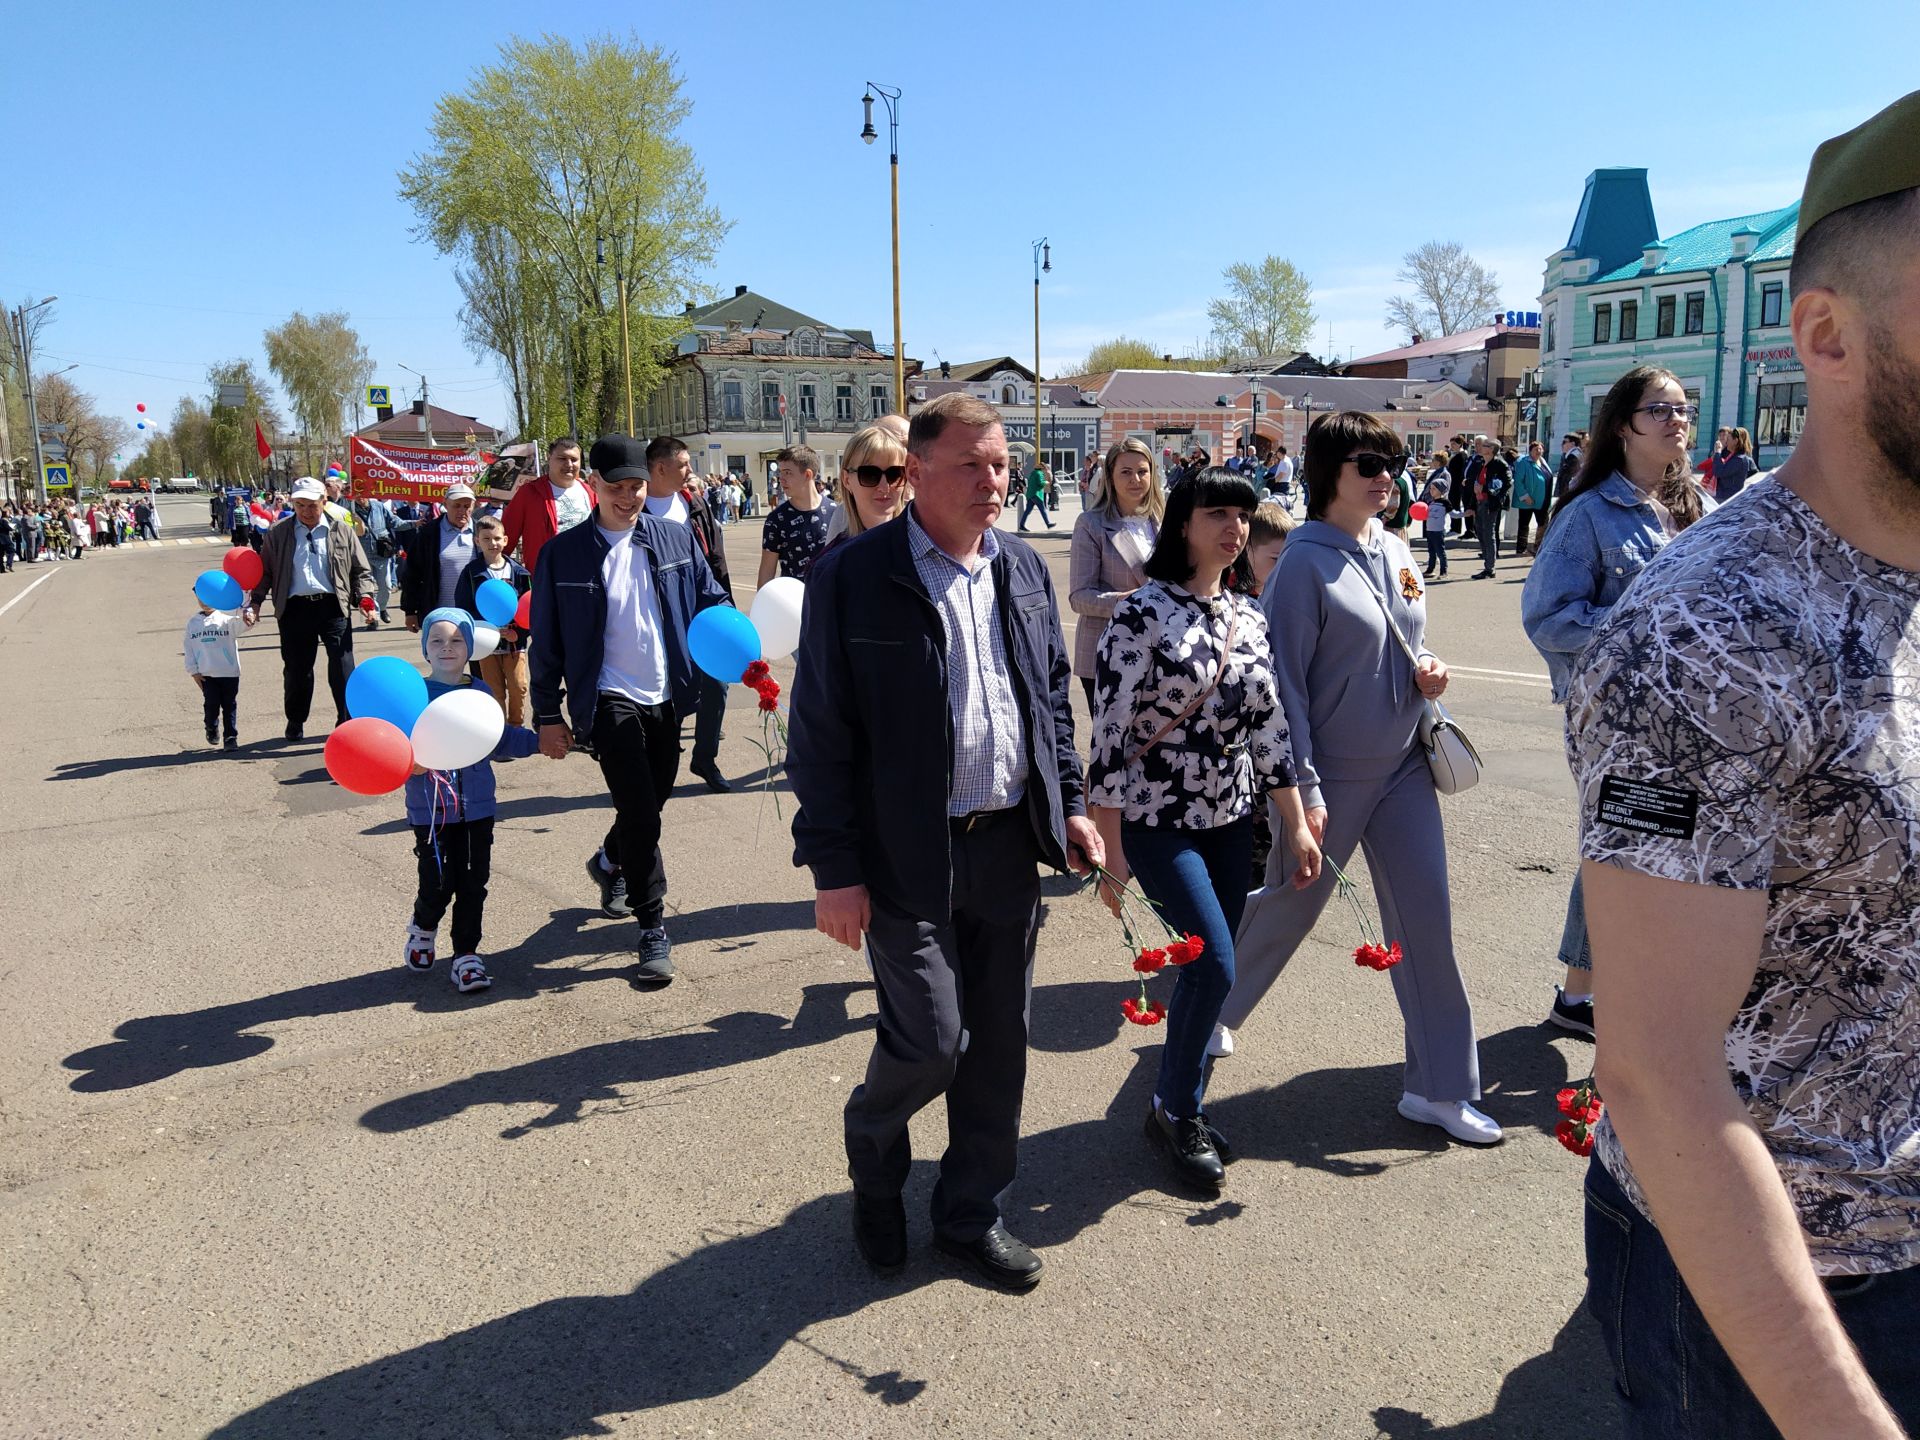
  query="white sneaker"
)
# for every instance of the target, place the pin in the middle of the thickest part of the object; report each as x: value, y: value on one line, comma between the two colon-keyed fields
x: 419, y: 954
x: 1456, y: 1117
x: 469, y: 975
x: 1221, y: 1045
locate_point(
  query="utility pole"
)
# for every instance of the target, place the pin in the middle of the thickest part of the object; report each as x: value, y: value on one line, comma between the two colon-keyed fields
x: 33, y: 412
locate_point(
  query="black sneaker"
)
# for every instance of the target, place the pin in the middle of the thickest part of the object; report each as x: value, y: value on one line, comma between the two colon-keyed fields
x: 1189, y: 1147
x: 656, y: 964
x: 213, y: 736
x: 613, y: 888
x: 296, y: 732
x: 1576, y: 1016
x: 233, y: 743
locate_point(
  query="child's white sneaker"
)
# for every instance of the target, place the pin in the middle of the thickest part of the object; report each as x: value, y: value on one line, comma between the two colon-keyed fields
x: 1221, y: 1045
x: 470, y: 975
x: 419, y: 953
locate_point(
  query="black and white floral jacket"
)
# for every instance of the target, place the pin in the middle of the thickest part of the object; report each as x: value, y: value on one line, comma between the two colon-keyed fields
x: 1161, y: 648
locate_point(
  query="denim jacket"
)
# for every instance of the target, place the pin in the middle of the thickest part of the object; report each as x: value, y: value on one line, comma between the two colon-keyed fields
x: 1594, y: 548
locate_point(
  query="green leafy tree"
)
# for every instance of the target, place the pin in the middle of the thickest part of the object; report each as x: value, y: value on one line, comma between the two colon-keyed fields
x: 1267, y: 310
x: 192, y: 436
x: 557, y: 154
x: 230, y: 428
x: 1122, y: 353
x: 322, y: 366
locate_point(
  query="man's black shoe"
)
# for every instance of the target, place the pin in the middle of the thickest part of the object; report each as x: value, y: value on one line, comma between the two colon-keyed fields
x: 998, y: 1256
x: 880, y: 1230
x: 1220, y: 1145
x: 296, y: 732
x: 613, y: 889
x: 233, y: 743
x: 1189, y: 1147
x: 213, y: 736
x: 708, y: 771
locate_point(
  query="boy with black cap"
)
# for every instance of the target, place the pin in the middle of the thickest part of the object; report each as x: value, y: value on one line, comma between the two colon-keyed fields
x: 1745, y: 732
x: 612, y: 600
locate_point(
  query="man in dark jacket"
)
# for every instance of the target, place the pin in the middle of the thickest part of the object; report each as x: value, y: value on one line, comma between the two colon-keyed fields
x: 612, y: 600
x: 433, y: 553
x: 931, y: 749
x: 673, y: 495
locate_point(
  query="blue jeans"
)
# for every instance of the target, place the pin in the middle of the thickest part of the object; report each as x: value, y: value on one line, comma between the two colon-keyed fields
x: 1198, y: 879
x: 1671, y: 1376
x: 1028, y: 506
x: 1576, y: 952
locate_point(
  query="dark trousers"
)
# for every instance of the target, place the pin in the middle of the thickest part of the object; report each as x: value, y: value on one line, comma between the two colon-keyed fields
x: 456, y: 862
x: 639, y: 750
x: 1537, y: 519
x: 306, y: 623
x: 1671, y: 1377
x: 147, y: 532
x: 1198, y: 881
x: 1436, y: 550
x: 1086, y: 686
x: 1028, y: 506
x: 706, y: 720
x: 1487, y: 531
x: 220, y: 697
x: 953, y: 1003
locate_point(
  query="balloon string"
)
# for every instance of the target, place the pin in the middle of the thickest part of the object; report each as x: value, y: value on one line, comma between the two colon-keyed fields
x: 443, y: 795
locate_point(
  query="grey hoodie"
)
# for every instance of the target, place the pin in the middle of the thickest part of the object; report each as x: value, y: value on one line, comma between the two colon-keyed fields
x: 1346, y: 686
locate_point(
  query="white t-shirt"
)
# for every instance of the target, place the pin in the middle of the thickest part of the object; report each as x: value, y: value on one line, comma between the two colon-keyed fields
x: 1283, y: 472
x: 570, y: 506
x: 668, y: 507
x: 209, y: 645
x: 456, y: 553
x: 633, y: 661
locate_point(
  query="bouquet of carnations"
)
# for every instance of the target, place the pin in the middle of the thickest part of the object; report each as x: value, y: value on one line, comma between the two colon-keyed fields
x: 1141, y: 923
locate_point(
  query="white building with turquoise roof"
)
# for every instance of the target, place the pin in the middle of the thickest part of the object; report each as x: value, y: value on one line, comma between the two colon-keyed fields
x: 1709, y: 304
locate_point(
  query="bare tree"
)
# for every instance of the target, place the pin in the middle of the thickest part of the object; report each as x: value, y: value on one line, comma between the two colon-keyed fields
x: 1268, y: 308
x: 1451, y: 291
x: 65, y: 405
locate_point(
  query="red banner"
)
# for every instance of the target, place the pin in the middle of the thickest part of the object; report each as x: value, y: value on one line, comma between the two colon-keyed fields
x: 394, y: 472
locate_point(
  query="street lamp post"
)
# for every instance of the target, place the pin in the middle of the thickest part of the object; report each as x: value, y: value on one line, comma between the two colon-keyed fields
x: 1253, y: 424
x: 33, y: 413
x: 1306, y: 403
x: 1042, y: 261
x: 890, y: 97
x: 1759, y: 380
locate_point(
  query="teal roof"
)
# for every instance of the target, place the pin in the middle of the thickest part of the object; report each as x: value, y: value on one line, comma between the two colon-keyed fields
x: 1709, y: 245
x: 1615, y: 218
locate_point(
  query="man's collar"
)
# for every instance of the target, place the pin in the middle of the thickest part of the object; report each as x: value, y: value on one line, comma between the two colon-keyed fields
x: 919, y: 542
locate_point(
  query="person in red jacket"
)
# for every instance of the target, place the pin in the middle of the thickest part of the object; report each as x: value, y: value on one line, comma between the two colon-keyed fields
x: 541, y: 509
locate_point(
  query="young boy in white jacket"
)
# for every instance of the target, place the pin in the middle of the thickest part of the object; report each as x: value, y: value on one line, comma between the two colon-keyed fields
x: 213, y: 660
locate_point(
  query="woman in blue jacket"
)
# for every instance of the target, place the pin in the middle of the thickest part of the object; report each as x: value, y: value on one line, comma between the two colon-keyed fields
x: 1634, y: 492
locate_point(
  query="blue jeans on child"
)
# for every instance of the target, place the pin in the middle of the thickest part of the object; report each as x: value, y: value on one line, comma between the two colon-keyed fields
x: 1436, y: 550
x: 1198, y: 879
x: 1671, y: 1376
x: 1575, y: 952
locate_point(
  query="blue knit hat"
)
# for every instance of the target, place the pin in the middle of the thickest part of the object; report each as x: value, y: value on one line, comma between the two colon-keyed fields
x: 447, y: 612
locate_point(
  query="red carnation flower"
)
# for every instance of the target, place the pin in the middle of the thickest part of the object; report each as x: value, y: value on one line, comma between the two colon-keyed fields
x: 756, y: 672
x: 1185, y: 952
x: 769, y: 703
x: 1592, y: 1112
x: 1577, y: 1138
x: 1565, y: 1099
x: 1150, y: 962
x: 1151, y: 1013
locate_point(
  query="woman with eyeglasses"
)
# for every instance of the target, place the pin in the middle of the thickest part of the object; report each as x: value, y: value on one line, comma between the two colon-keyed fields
x: 1111, y: 542
x: 873, y: 475
x: 1634, y: 492
x: 1347, y: 615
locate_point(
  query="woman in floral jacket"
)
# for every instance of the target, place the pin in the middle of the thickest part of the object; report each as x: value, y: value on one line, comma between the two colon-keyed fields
x: 1187, y: 734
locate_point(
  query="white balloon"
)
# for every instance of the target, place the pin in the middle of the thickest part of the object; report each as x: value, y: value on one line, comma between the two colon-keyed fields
x: 458, y: 728
x: 486, y: 640
x: 776, y: 615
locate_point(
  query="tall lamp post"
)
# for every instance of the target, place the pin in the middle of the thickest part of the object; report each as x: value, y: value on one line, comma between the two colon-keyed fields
x: 1759, y: 380
x: 1042, y: 261
x: 1306, y: 403
x: 33, y: 413
x: 890, y: 97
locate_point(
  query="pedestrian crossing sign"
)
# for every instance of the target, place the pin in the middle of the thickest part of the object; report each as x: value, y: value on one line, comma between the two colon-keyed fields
x: 377, y: 396
x: 58, y: 477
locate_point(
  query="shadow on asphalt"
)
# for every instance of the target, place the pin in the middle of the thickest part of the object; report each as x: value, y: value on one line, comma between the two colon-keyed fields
x: 1566, y: 1392
x: 517, y: 807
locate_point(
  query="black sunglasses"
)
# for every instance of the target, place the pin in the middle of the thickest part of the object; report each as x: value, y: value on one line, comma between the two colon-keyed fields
x: 872, y: 475
x: 1370, y: 465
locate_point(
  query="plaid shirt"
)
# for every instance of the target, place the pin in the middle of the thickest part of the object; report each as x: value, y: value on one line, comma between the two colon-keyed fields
x: 989, y: 753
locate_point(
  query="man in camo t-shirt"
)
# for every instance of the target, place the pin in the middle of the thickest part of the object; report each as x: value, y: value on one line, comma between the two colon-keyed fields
x: 1745, y: 734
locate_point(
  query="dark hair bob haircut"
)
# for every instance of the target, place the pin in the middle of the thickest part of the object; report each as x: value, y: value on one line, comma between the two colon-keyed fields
x: 1331, y: 442
x: 1210, y: 489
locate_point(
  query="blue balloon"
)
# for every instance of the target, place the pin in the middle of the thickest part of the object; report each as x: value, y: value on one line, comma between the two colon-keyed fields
x: 723, y: 642
x: 219, y: 589
x: 139, y: 424
x: 496, y: 600
x: 387, y: 688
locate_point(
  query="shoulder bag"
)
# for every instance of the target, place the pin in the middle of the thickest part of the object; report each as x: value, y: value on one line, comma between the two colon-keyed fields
x: 1226, y: 654
x: 1451, y: 758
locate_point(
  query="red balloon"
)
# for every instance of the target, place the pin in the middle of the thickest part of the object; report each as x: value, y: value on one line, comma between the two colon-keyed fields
x: 369, y: 756
x: 523, y: 615
x: 243, y: 565
x: 1418, y: 509
x: 141, y: 408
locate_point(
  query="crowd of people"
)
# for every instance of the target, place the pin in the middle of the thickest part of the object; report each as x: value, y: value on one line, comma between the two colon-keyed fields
x: 65, y: 529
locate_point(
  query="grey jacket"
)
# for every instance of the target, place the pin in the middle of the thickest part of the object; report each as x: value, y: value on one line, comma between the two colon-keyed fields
x: 1347, y: 687
x: 1105, y: 565
x: 346, y: 565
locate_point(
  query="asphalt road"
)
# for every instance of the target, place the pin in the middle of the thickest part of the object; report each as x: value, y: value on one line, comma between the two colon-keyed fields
x: 258, y: 1180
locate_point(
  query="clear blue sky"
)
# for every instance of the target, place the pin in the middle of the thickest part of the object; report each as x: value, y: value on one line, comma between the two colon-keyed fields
x: 208, y: 169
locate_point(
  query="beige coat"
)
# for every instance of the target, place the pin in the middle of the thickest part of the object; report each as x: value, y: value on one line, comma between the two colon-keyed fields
x: 346, y: 565
x: 1106, y: 564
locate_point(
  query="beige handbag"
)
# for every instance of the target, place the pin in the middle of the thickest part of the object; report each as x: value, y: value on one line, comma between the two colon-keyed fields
x: 1451, y: 758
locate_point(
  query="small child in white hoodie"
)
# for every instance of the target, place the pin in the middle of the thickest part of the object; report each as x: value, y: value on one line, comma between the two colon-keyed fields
x: 213, y: 660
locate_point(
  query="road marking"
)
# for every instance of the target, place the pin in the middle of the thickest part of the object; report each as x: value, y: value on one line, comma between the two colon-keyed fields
x: 1512, y: 677
x: 28, y: 591
x: 183, y: 542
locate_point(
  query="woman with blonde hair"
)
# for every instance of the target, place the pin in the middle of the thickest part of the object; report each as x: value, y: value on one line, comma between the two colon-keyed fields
x: 873, y: 477
x: 1111, y: 542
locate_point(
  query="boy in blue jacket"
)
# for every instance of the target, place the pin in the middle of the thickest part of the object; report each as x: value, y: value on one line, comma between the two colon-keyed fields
x: 505, y: 671
x: 451, y: 812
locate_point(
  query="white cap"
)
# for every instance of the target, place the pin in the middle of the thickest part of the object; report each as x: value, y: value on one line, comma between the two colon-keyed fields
x: 459, y: 490
x: 308, y: 488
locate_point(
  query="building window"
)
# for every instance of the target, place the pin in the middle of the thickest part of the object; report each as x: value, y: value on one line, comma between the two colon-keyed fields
x: 1602, y: 324
x: 809, y: 401
x: 1629, y: 319
x: 843, y: 402
x: 878, y: 401
x: 769, y: 400
x: 733, y: 402
x: 737, y: 466
x: 1593, y: 413
x: 1693, y: 429
x: 1696, y: 313
x: 1550, y: 328
x: 1770, y: 304
x: 1781, y: 413
x: 1663, y: 310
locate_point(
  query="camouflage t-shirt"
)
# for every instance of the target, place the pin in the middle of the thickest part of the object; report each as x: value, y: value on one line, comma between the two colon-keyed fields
x: 1749, y: 716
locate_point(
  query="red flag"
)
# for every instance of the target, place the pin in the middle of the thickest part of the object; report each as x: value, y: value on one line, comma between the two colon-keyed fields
x: 260, y: 442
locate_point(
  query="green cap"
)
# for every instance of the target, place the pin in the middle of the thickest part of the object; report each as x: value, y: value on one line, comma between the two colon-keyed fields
x: 1880, y: 157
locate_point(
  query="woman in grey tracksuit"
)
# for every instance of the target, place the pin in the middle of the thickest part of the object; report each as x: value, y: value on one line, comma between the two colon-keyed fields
x: 1353, y: 701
